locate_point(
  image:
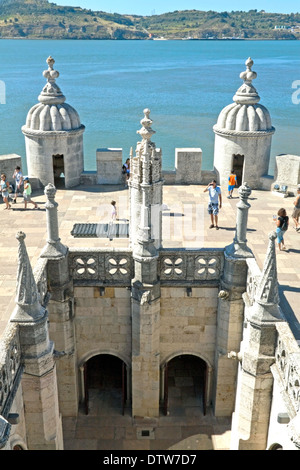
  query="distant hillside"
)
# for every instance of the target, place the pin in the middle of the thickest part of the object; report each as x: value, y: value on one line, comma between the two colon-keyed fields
x: 40, y: 19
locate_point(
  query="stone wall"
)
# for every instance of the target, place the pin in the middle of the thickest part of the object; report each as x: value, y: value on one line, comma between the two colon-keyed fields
x: 287, y: 172
x: 102, y: 322
x: 188, y: 322
x: 109, y: 166
x: 8, y: 164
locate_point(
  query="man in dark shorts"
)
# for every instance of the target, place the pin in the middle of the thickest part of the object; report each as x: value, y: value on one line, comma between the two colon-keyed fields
x: 215, y: 203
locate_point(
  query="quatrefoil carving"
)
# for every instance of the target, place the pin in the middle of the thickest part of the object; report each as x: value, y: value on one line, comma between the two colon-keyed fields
x: 173, y: 267
x: 206, y: 267
x: 86, y: 266
x: 118, y: 266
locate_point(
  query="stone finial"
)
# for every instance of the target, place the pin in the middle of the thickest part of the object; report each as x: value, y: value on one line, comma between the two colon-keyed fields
x: 247, y: 94
x: 51, y: 74
x: 244, y: 191
x: 50, y: 191
x: 146, y: 132
x: 248, y: 75
x: 28, y: 308
x: 51, y: 93
x: 239, y: 248
x: 267, y: 290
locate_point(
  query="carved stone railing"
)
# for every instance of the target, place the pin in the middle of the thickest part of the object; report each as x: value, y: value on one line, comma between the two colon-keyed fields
x: 116, y: 267
x: 287, y: 357
x: 10, y: 367
x: 101, y: 266
x: 187, y: 266
x: 41, y: 279
x: 253, y: 277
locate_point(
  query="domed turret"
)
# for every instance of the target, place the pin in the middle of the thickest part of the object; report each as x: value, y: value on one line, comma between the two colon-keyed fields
x: 243, y: 135
x: 53, y: 135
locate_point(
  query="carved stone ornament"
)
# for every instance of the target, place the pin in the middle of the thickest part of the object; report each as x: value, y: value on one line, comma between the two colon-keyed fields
x: 28, y: 307
x: 223, y: 294
x: 4, y: 431
x: 294, y: 430
x: 51, y: 93
x: 267, y: 290
x: 247, y: 94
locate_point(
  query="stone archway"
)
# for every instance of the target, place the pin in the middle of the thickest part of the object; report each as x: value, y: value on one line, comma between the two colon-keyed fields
x: 238, y: 162
x: 58, y: 170
x: 105, y: 385
x: 185, y: 385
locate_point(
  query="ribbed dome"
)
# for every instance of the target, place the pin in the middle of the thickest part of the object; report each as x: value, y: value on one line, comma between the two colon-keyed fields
x: 244, y: 117
x: 47, y: 117
x: 52, y: 113
x: 245, y: 114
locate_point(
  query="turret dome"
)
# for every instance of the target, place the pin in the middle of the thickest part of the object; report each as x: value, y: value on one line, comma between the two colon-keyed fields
x: 245, y: 114
x: 52, y: 113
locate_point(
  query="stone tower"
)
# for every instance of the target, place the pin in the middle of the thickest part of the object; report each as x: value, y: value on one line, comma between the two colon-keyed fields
x: 243, y: 135
x: 54, y: 136
x: 39, y: 380
x: 146, y: 178
x: 257, y: 354
x: 146, y: 199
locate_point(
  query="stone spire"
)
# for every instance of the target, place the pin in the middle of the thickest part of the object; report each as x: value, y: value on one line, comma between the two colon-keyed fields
x: 51, y: 93
x: 239, y: 248
x: 267, y: 296
x: 247, y: 94
x: 28, y: 307
x: 145, y: 240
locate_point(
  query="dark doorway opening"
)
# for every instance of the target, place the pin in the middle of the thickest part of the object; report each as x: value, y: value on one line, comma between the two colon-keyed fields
x: 59, y: 171
x: 105, y: 385
x: 238, y: 167
x: 185, y: 386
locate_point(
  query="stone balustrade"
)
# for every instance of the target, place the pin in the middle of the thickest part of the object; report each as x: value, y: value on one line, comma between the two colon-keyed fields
x: 186, y: 266
x: 10, y: 368
x: 287, y: 357
x: 176, y: 266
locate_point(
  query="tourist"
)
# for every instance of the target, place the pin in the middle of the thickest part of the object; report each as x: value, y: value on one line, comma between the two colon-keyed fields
x: 282, y: 224
x: 215, y: 202
x: 127, y: 167
x: 232, y: 182
x: 113, y: 211
x: 296, y: 212
x: 4, y: 190
x: 18, y: 177
x: 27, y: 193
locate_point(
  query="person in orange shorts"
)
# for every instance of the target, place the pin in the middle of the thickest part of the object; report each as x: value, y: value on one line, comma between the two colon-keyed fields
x: 232, y: 183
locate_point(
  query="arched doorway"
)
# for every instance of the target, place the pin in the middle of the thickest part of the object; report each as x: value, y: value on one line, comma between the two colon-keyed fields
x: 59, y: 171
x: 238, y: 167
x: 185, y: 385
x: 105, y: 384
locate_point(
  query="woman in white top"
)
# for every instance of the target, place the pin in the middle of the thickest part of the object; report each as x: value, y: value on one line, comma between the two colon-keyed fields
x: 4, y: 190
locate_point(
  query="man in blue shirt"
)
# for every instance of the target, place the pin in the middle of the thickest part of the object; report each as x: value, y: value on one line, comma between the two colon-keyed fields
x: 18, y: 177
x: 215, y: 202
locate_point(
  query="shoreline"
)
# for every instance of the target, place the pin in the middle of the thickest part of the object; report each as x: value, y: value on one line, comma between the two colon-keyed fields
x: 146, y: 39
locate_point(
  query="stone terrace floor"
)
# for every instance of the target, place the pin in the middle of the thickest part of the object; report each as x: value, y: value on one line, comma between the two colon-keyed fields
x: 185, y: 224
x: 181, y: 228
